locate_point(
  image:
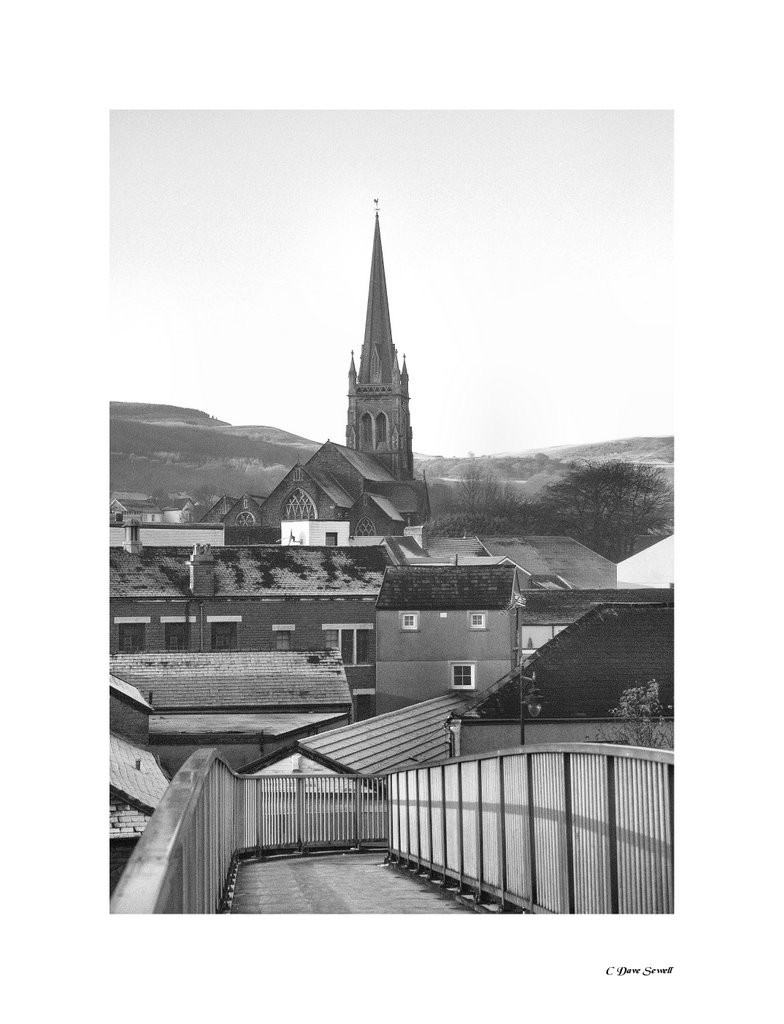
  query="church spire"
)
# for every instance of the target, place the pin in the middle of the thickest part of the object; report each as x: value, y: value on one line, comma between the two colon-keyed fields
x: 379, y: 422
x: 378, y: 351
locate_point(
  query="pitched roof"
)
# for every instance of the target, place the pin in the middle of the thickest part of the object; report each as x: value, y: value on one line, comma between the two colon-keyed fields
x: 563, y: 556
x: 237, y: 679
x: 120, y: 688
x: 582, y: 672
x: 386, y: 507
x: 144, y: 785
x: 332, y: 488
x: 367, y: 465
x: 451, y: 546
x: 554, y: 607
x: 252, y: 570
x: 411, y: 735
x: 447, y: 586
x: 269, y: 723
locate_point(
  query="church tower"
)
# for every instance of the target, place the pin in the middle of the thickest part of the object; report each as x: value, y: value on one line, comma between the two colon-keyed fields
x: 378, y: 415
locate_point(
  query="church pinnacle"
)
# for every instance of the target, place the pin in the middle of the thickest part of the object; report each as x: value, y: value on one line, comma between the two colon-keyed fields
x: 378, y: 415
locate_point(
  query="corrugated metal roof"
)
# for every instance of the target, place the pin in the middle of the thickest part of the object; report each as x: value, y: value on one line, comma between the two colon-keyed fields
x: 412, y: 735
x: 237, y: 679
x: 144, y: 785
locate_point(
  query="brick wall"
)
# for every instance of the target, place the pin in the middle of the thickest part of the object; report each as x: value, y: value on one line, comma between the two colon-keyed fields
x: 125, y: 821
x: 255, y: 632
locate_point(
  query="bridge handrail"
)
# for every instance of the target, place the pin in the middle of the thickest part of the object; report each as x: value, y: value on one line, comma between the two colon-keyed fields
x: 551, y: 827
x: 146, y: 884
x: 210, y: 813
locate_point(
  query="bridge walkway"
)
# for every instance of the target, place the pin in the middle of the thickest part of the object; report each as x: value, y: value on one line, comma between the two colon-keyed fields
x: 336, y: 883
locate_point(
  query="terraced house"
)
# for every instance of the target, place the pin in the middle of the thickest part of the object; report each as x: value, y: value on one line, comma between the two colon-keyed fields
x: 257, y: 598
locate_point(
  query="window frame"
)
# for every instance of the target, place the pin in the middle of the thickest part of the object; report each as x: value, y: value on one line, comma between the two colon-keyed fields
x: 230, y: 628
x: 176, y: 627
x: 340, y: 630
x: 329, y: 542
x: 406, y: 628
x: 482, y: 625
x: 137, y: 628
x: 462, y: 664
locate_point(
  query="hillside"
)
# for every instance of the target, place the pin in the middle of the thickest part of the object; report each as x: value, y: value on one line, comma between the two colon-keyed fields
x: 166, y: 448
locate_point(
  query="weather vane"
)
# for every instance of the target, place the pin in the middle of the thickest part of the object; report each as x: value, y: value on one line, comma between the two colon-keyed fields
x: 376, y: 202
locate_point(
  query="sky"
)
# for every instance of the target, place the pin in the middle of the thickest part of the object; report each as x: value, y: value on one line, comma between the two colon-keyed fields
x: 528, y: 258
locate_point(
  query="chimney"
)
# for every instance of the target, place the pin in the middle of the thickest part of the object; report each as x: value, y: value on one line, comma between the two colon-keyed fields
x: 202, y: 566
x: 132, y: 543
x: 417, y: 532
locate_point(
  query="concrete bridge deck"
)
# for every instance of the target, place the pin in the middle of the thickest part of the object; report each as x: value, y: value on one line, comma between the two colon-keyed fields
x: 336, y: 883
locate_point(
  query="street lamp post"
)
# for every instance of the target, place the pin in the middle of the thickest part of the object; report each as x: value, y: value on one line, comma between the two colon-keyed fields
x: 529, y: 701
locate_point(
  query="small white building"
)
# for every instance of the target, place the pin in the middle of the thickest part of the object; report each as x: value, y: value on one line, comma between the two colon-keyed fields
x: 652, y: 567
x: 315, y: 533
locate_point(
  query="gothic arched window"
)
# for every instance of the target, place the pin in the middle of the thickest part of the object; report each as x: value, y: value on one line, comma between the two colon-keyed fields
x: 299, y: 506
x: 366, y: 430
x: 381, y: 429
x: 365, y: 528
x: 246, y: 519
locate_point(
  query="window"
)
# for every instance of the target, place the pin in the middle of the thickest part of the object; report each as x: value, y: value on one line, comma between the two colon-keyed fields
x: 381, y: 428
x: 409, y: 620
x: 375, y: 364
x: 365, y: 528
x: 477, y: 620
x: 131, y: 637
x: 463, y: 676
x: 176, y: 636
x: 246, y: 519
x: 366, y: 431
x: 283, y: 639
x: 299, y: 506
x: 224, y: 636
x: 332, y: 540
x: 352, y: 642
x: 532, y: 637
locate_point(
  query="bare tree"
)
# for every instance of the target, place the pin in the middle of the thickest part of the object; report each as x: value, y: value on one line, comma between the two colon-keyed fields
x: 606, y: 505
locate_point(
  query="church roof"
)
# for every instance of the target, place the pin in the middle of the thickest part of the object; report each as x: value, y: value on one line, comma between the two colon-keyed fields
x: 331, y: 487
x: 378, y: 327
x: 366, y: 464
x: 386, y: 507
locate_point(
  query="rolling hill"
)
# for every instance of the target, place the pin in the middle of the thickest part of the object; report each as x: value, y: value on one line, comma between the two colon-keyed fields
x: 169, y: 449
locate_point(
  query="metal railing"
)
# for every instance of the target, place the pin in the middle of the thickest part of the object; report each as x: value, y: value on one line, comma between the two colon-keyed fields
x: 579, y: 828
x: 209, y: 816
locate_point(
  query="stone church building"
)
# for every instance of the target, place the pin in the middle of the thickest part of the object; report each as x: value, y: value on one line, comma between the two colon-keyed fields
x: 368, y: 482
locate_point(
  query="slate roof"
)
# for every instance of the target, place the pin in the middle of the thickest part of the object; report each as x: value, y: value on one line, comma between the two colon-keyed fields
x: 452, y: 586
x: 251, y: 571
x: 563, y: 556
x: 332, y: 488
x: 123, y: 689
x: 143, y: 786
x: 553, y: 607
x: 226, y: 680
x: 366, y: 464
x: 582, y: 672
x: 270, y: 723
x: 386, y: 507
